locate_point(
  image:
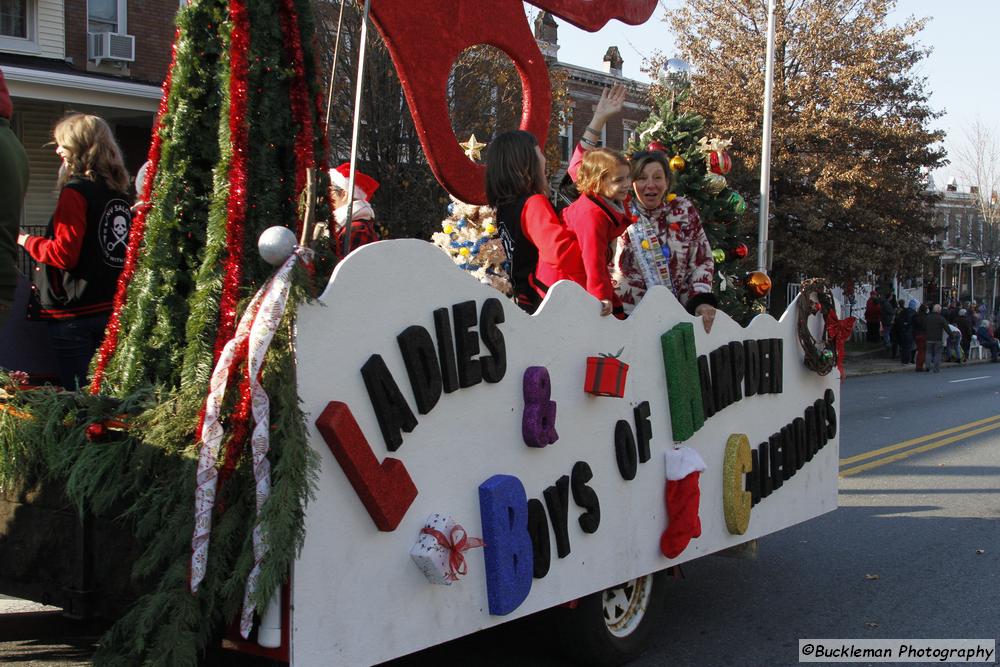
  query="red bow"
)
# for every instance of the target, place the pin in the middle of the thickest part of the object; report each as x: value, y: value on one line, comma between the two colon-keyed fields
x: 839, y: 331
x: 456, y: 543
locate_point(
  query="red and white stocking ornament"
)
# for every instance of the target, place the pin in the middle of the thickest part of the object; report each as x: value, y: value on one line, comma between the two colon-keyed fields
x: 682, y: 496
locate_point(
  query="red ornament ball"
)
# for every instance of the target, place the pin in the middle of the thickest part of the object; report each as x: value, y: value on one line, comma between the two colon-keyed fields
x: 656, y: 146
x: 719, y: 162
x: 96, y: 432
x: 741, y: 250
x: 758, y: 284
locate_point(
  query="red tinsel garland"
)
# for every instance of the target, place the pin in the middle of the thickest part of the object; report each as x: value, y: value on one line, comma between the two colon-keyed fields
x: 239, y: 47
x: 136, y: 233
x: 299, y: 97
x: 239, y: 44
x: 304, y: 157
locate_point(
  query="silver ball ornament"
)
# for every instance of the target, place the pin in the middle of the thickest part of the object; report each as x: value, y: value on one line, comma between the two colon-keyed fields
x: 276, y: 244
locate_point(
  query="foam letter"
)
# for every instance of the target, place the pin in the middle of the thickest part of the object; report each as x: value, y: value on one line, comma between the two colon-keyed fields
x: 446, y: 350
x: 585, y: 497
x: 707, y: 393
x: 507, y: 551
x: 736, y: 502
x: 470, y: 371
x: 385, y: 489
x: 557, y: 500
x: 737, y: 364
x: 751, y: 365
x: 625, y: 452
x: 538, y: 421
x: 722, y: 377
x: 417, y: 348
x: 538, y: 529
x: 680, y: 362
x: 390, y: 407
x: 494, y: 366
x: 831, y: 414
x: 643, y: 430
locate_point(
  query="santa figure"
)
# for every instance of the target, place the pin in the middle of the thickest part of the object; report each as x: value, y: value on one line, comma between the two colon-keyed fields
x: 362, y: 215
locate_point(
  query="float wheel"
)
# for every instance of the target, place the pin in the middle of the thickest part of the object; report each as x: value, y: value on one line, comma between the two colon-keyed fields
x: 613, y: 626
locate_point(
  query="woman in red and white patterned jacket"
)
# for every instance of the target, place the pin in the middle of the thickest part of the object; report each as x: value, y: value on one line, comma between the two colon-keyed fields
x: 669, y: 226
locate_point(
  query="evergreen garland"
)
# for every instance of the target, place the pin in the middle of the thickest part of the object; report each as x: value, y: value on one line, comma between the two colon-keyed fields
x: 722, y: 214
x: 157, y: 378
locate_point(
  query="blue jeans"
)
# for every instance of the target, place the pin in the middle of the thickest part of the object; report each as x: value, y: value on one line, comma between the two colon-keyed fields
x: 934, y: 355
x: 75, y: 341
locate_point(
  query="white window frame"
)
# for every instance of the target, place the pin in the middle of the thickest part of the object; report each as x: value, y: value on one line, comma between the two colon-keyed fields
x: 567, y: 131
x: 27, y: 44
x: 121, y: 26
x: 628, y: 127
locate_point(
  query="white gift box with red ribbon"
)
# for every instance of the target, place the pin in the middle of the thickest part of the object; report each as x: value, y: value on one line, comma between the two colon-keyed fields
x: 439, y: 550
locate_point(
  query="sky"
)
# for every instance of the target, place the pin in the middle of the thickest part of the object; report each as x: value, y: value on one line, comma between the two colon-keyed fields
x: 962, y: 71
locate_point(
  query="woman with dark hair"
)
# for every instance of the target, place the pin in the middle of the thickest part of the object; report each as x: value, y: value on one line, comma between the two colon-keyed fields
x: 539, y: 248
x: 83, y: 250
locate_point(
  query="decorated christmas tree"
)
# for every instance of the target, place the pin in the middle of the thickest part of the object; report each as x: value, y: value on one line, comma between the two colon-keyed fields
x: 469, y: 236
x: 699, y: 165
x: 237, y: 131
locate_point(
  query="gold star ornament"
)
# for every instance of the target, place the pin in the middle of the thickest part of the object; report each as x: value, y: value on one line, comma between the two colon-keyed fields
x: 473, y: 149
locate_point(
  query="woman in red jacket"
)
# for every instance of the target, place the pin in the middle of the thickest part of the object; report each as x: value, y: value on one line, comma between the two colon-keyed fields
x: 83, y: 250
x: 539, y: 248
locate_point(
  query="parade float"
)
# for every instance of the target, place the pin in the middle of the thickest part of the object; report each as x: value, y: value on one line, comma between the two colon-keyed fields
x: 345, y: 467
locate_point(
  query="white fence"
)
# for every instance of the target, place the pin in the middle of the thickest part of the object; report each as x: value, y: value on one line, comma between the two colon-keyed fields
x: 854, y: 305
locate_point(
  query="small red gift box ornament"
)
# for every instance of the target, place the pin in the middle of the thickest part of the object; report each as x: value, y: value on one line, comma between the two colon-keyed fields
x: 606, y: 375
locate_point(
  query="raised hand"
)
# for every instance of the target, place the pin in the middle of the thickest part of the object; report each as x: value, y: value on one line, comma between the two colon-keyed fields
x: 611, y: 103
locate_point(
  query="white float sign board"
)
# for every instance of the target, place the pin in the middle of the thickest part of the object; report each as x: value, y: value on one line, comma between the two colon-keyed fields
x: 358, y: 598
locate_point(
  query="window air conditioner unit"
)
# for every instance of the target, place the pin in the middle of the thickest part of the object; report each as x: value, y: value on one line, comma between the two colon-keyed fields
x: 112, y: 46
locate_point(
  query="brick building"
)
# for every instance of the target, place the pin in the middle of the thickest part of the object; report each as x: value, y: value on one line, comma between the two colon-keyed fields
x: 585, y: 86
x: 962, y: 243
x: 104, y: 57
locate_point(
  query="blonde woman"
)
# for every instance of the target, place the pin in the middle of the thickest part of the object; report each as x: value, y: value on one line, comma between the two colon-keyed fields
x: 83, y: 249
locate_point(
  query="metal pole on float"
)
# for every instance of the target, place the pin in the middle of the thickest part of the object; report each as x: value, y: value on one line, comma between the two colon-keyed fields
x: 357, y: 126
x: 333, y: 67
x: 765, y: 144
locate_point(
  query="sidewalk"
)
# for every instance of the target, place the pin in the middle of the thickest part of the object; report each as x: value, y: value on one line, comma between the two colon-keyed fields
x: 876, y: 362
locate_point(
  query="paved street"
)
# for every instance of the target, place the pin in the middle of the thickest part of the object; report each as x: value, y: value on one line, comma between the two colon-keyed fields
x: 913, y: 551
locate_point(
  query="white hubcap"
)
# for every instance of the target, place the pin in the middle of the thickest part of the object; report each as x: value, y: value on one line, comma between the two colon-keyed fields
x: 626, y: 604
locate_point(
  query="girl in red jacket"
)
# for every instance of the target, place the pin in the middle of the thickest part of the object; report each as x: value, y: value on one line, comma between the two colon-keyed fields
x: 598, y: 217
x: 539, y: 248
x: 83, y: 250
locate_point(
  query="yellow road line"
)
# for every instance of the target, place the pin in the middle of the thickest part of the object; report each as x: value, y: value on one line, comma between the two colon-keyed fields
x: 916, y: 450
x: 915, y: 441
